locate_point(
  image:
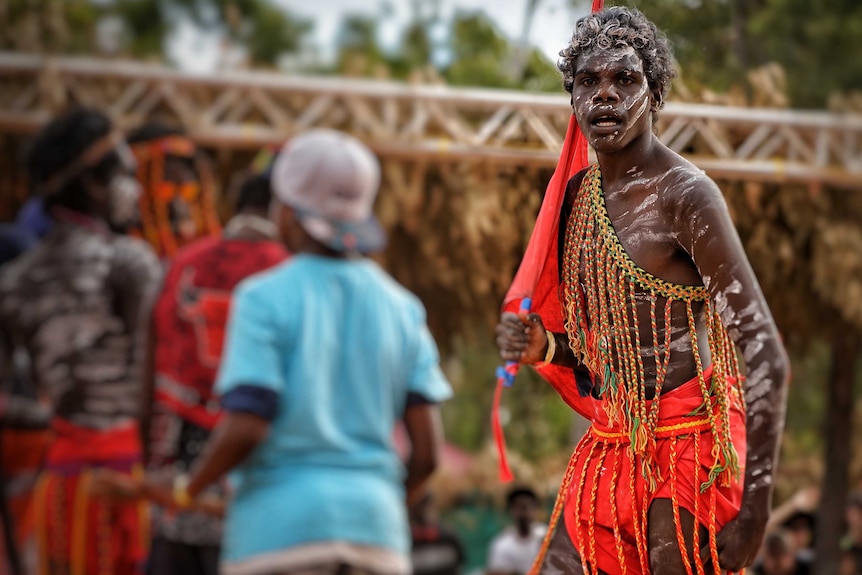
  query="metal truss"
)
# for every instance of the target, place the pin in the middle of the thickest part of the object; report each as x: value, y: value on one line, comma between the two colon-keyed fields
x: 243, y: 109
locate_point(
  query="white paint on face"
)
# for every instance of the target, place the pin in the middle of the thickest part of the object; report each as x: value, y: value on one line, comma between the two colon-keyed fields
x: 123, y: 194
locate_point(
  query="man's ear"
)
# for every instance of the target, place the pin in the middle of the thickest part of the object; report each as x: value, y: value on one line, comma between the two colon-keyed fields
x: 656, y: 98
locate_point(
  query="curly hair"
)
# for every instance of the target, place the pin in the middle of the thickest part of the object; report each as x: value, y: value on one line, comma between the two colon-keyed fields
x: 58, y: 144
x: 618, y: 27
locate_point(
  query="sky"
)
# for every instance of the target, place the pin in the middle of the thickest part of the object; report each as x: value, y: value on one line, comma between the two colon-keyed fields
x: 551, y: 29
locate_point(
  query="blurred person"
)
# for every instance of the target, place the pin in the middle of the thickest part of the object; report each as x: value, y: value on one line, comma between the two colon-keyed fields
x: 851, y: 545
x: 23, y: 424
x: 186, y: 339
x: 74, y: 304
x: 436, y: 550
x: 33, y: 217
x: 178, y: 202
x: 513, y: 551
x: 779, y: 556
x: 15, y: 239
x: 651, y: 294
x: 323, y: 354
x: 801, y: 528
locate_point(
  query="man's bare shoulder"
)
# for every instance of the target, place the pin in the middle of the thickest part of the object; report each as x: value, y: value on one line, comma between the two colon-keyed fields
x: 685, y: 187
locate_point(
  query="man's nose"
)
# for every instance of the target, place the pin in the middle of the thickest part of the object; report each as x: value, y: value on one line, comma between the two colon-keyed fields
x: 605, y: 92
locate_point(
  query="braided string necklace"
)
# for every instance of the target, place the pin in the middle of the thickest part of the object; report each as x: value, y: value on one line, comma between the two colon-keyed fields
x: 604, y: 332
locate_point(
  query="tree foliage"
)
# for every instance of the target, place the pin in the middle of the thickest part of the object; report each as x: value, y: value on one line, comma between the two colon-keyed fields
x: 717, y: 41
x: 70, y: 26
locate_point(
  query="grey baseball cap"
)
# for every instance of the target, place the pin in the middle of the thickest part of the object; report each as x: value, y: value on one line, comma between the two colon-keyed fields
x: 331, y: 179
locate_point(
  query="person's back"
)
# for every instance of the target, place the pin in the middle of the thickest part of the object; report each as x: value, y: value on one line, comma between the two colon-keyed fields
x: 323, y: 354
x: 356, y: 338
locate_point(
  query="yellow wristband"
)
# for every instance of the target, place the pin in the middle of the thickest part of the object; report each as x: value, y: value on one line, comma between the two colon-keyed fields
x: 552, y: 349
x: 182, y: 497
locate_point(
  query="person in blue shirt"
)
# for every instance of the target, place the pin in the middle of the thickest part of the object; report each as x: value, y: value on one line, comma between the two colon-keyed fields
x: 323, y: 355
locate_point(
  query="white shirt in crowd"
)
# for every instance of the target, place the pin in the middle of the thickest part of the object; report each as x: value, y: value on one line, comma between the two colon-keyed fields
x: 511, y: 553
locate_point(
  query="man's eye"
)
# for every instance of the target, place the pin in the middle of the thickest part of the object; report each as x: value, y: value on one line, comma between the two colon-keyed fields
x: 626, y: 81
x: 588, y: 82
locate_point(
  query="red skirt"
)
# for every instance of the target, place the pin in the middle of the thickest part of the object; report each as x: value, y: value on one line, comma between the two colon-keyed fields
x: 76, y: 533
x: 605, y: 497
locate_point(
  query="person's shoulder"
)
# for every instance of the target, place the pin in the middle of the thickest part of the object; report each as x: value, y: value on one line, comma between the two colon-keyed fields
x: 682, y: 181
x: 131, y: 249
x: 574, y: 184
x: 391, y: 286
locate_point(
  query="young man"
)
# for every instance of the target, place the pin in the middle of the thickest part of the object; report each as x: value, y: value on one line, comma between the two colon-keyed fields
x: 513, y: 551
x: 74, y: 305
x: 657, y: 295
x: 186, y: 339
x: 323, y: 355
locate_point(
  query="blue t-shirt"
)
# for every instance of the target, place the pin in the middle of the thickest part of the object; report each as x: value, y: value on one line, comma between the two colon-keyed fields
x: 329, y: 350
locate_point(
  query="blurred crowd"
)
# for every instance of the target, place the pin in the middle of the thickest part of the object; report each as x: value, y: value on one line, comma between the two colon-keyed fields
x: 118, y: 283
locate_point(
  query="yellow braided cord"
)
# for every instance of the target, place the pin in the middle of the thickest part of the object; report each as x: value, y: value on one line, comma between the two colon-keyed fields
x: 685, y: 426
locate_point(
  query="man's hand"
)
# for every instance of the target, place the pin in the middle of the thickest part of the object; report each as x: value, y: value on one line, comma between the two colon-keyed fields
x: 521, y: 337
x: 738, y: 543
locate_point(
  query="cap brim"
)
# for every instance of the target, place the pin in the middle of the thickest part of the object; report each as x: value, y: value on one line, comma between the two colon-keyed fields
x: 365, y: 237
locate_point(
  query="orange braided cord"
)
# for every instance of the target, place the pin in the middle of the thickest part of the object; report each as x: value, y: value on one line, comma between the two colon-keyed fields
x: 680, y: 539
x: 713, y: 530
x: 579, y: 495
x: 639, y: 523
x: 593, y: 501
x: 618, y: 540
x: 696, y: 544
x: 559, y: 505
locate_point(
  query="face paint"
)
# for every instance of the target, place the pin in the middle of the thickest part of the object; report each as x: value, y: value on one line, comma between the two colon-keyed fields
x: 123, y: 194
x: 611, y: 97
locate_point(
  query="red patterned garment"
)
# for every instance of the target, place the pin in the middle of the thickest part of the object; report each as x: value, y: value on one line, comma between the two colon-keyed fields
x: 190, y: 316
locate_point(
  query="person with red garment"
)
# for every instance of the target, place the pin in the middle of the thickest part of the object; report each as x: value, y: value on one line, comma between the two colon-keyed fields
x: 651, y: 295
x: 74, y: 305
x: 188, y: 325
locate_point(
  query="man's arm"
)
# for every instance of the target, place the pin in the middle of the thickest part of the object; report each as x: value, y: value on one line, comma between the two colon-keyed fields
x: 707, y: 233
x: 425, y: 431
x: 233, y: 440
x: 137, y: 277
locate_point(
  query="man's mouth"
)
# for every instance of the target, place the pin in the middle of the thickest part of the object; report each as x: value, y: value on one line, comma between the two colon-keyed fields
x: 606, y: 122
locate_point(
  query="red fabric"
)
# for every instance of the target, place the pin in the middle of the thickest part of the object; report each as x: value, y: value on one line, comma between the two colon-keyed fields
x: 616, y: 466
x: 538, y: 278
x: 190, y: 317
x: 22, y: 454
x: 76, y: 447
x: 77, y: 533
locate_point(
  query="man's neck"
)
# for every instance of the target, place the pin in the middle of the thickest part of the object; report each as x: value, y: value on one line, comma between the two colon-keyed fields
x: 617, y: 166
x: 81, y: 219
